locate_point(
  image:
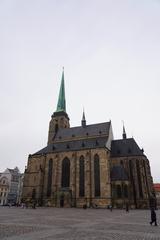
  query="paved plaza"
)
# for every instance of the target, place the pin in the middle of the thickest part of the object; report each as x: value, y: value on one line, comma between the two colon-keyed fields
x: 75, y: 224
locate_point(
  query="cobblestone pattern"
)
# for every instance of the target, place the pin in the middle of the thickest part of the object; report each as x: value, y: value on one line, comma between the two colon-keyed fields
x: 76, y: 224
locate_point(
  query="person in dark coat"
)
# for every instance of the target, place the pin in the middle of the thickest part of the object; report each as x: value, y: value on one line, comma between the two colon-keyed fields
x: 110, y: 207
x: 153, y: 217
x: 127, y: 207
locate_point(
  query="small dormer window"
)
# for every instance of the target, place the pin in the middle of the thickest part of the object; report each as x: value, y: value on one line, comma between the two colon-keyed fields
x: 87, y: 133
x: 53, y: 147
x: 100, y: 132
x: 73, y: 135
x: 118, y: 151
x: 60, y: 137
x: 68, y: 146
x: 97, y: 143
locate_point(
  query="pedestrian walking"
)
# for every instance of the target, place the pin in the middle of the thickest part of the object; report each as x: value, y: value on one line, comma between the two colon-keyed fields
x: 84, y: 206
x: 127, y: 207
x: 34, y: 205
x: 153, y: 217
x: 110, y: 207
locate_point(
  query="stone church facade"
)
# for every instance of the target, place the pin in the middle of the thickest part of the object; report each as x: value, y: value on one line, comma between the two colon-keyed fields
x: 84, y: 165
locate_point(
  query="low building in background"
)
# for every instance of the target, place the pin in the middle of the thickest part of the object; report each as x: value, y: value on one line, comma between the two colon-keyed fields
x: 20, y: 188
x: 10, y: 186
x: 4, y: 189
x: 157, y: 192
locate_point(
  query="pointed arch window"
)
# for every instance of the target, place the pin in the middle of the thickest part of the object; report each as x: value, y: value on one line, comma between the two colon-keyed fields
x: 96, y: 176
x: 125, y: 191
x: 49, y: 182
x: 119, y: 191
x: 81, y: 177
x: 33, y: 193
x: 65, y: 173
x: 139, y: 178
x: 56, y: 127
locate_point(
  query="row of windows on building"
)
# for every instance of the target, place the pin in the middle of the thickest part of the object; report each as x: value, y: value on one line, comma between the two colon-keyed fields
x: 65, y: 179
x: 3, y: 194
x: 2, y: 202
x: 3, y: 189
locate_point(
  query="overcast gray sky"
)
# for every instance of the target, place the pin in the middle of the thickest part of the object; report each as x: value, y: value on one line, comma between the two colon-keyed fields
x: 111, y: 54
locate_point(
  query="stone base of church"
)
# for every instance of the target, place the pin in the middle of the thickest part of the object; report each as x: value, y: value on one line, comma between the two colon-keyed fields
x: 139, y: 204
x: 65, y: 200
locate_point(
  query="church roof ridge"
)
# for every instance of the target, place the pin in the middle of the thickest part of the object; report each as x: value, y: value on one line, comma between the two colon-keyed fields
x: 74, y: 145
x: 83, y: 132
x: 126, y: 139
x: 88, y: 125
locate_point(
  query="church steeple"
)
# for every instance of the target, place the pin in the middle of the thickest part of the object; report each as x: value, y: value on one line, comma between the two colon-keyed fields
x: 83, y: 122
x: 61, y: 105
x: 124, y: 132
x: 59, y: 118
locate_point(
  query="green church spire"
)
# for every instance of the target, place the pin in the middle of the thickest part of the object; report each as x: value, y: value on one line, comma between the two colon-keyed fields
x: 61, y: 105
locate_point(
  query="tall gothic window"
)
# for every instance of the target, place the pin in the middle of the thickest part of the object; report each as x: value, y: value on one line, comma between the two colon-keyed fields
x: 33, y: 193
x: 139, y: 178
x: 56, y: 127
x: 65, y: 172
x: 81, y: 176
x: 49, y: 183
x: 96, y: 176
x: 119, y: 191
x: 125, y: 191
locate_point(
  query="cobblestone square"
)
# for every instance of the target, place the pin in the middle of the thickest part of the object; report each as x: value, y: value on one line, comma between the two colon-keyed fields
x: 75, y: 224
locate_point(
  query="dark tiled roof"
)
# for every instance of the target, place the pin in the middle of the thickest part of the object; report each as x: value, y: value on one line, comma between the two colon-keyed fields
x: 118, y: 173
x: 125, y: 147
x: 94, y: 130
x: 10, y: 170
x: 74, y: 145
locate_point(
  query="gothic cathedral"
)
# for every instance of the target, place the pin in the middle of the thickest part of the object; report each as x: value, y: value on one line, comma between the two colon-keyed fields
x: 84, y: 166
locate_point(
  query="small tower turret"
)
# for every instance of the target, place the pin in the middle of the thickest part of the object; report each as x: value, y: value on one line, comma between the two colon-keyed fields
x: 124, y: 133
x: 83, y: 122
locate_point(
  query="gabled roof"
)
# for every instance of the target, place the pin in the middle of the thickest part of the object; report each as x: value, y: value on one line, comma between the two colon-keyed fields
x: 118, y: 173
x: 11, y: 170
x: 125, y: 147
x: 14, y: 170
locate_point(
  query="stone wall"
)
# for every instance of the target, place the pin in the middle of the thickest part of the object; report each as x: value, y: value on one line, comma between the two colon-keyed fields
x: 36, y: 177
